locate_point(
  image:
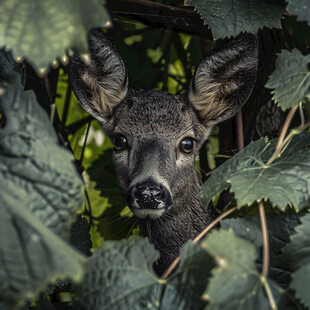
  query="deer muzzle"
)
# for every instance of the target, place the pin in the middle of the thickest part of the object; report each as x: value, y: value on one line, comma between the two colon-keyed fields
x: 149, y: 199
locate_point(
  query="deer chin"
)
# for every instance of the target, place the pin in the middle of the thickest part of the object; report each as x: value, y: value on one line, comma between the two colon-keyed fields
x: 148, y: 213
x: 143, y: 211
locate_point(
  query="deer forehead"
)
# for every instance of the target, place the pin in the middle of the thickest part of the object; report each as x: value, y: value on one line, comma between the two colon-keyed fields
x: 155, y: 113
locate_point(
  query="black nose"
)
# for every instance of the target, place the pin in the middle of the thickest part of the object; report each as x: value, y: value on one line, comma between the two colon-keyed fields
x: 149, y: 195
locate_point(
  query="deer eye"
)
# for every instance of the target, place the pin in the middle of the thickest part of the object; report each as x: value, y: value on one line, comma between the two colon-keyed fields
x: 120, y: 142
x: 187, y: 145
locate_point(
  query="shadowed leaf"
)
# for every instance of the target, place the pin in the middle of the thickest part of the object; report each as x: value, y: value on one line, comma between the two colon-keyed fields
x: 291, y: 79
x: 40, y: 192
x: 44, y: 30
x: 235, y: 282
x: 229, y: 17
x: 285, y: 182
x: 121, y: 276
x: 298, y: 251
x: 300, y: 8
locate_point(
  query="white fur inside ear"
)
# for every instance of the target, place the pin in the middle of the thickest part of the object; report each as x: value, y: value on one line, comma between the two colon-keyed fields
x: 224, y: 80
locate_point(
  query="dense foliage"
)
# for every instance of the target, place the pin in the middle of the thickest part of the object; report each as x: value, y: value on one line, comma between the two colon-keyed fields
x: 62, y: 218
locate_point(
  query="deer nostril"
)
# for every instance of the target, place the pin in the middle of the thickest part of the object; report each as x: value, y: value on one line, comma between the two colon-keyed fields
x: 148, y: 192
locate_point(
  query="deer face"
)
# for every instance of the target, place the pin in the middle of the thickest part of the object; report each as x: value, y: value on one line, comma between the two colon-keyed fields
x: 156, y: 134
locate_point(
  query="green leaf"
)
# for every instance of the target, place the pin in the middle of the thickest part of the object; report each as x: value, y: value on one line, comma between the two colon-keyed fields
x: 80, y: 237
x: 43, y: 30
x: 300, y: 8
x: 229, y: 17
x: 285, y: 182
x: 40, y: 192
x: 291, y: 79
x: 31, y: 255
x: 190, y: 278
x: 298, y: 251
x: 280, y: 229
x: 235, y: 282
x: 32, y: 161
x: 120, y: 276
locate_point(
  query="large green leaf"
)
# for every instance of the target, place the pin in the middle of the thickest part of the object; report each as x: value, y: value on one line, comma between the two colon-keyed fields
x: 31, y: 255
x: 280, y: 229
x: 32, y: 161
x: 120, y: 276
x: 291, y: 79
x: 43, y: 30
x: 285, y: 182
x: 301, y: 8
x: 235, y: 283
x: 40, y: 192
x: 298, y: 251
x: 229, y: 17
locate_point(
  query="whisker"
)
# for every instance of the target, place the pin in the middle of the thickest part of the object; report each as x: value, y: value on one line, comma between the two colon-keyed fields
x: 131, y: 229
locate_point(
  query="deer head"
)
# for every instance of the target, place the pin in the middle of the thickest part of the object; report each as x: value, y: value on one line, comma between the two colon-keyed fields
x: 156, y: 135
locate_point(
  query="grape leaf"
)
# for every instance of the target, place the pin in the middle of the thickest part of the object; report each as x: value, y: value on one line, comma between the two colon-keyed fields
x: 285, y: 182
x: 80, y: 236
x: 120, y: 276
x: 42, y: 31
x: 291, y: 79
x: 280, y: 228
x: 300, y: 8
x: 235, y: 282
x: 229, y: 17
x: 32, y: 160
x: 40, y: 192
x: 298, y: 251
x: 31, y: 255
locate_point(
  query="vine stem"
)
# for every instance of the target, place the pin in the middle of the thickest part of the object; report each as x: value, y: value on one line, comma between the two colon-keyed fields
x: 239, y: 125
x: 209, y: 227
x: 263, y: 221
x: 302, y: 116
x: 265, y: 269
x: 282, y: 135
x: 271, y: 300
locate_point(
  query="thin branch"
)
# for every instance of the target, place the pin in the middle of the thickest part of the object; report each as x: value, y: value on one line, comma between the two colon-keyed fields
x: 302, y: 116
x: 84, y: 144
x: 285, y: 127
x: 158, y: 15
x: 271, y: 300
x: 263, y: 221
x: 74, y: 127
x: 265, y: 269
x: 282, y: 135
x: 208, y: 228
x: 239, y: 125
x: 48, y: 89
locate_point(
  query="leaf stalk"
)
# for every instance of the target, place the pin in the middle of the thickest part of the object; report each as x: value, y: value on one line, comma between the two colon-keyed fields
x: 209, y: 227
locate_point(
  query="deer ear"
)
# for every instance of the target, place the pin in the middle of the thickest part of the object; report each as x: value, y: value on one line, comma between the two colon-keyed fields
x: 101, y: 84
x: 224, y: 80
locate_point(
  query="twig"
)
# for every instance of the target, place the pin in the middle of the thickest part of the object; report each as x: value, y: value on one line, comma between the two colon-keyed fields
x: 209, y: 227
x: 239, y: 126
x: 265, y: 269
x: 282, y: 135
x: 84, y: 144
x: 49, y: 90
x: 302, y: 116
x: 263, y: 221
x: 272, y: 302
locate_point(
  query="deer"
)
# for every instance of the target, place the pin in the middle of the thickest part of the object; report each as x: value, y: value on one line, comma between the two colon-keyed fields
x: 156, y: 135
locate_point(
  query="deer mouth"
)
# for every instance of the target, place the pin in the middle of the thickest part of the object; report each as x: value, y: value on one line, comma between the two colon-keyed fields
x: 147, y: 213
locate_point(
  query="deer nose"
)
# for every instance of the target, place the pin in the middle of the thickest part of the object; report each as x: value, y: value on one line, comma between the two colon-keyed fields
x: 149, y: 195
